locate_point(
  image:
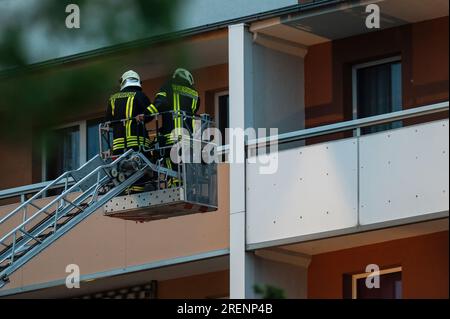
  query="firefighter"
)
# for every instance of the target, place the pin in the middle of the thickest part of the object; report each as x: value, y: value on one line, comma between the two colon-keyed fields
x: 178, y: 95
x: 130, y: 103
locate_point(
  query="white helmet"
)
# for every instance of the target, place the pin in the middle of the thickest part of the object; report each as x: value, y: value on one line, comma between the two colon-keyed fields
x: 129, y: 78
x: 184, y: 74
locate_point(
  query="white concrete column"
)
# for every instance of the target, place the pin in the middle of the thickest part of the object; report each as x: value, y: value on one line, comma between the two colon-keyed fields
x: 240, y: 90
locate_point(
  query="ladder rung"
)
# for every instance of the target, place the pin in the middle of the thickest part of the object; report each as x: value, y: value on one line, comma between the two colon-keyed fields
x: 40, y: 208
x: 75, y: 205
x: 20, y: 253
x: 35, y: 206
x: 71, y: 214
x: 29, y: 235
x: 43, y: 236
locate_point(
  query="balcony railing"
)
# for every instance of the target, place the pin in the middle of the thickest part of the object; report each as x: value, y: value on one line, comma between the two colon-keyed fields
x: 355, y: 125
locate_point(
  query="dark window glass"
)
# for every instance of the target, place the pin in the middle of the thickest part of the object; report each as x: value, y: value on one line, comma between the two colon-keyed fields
x: 63, y: 151
x: 92, y: 138
x: 223, y: 116
x: 390, y: 287
x: 379, y: 91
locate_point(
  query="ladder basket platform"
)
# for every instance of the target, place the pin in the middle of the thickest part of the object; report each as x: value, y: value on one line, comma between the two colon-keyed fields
x: 155, y: 205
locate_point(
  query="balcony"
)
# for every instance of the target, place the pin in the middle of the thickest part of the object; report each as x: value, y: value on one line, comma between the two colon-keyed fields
x: 365, y: 182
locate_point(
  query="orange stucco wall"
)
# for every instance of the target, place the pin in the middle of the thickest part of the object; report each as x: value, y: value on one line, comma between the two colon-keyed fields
x: 424, y: 261
x: 16, y: 164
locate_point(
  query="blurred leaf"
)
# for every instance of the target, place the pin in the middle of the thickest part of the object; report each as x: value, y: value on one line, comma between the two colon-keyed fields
x: 269, y: 292
x: 39, y: 97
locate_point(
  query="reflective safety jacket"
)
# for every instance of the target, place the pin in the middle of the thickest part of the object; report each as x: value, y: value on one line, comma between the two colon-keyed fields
x: 175, y: 95
x: 127, y: 104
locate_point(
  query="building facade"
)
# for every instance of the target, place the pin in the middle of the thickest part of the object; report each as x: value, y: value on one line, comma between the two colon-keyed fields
x: 360, y: 181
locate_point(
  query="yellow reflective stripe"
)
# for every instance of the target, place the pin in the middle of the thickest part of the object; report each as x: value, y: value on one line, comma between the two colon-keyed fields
x: 179, y: 109
x: 152, y: 109
x: 194, y: 106
x: 172, y: 181
x: 132, y: 144
x: 135, y: 141
x: 136, y: 188
x: 169, y: 136
x: 118, y: 147
x: 121, y: 95
x: 126, y: 116
x: 129, y: 112
x: 184, y: 90
x: 112, y: 107
x: 162, y: 94
x: 175, y: 108
x: 134, y: 137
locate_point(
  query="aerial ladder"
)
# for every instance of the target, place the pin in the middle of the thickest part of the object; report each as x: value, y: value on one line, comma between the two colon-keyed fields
x: 103, y: 183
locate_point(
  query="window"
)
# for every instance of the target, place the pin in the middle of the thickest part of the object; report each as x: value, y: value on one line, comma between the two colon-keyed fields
x: 377, y: 89
x: 92, y: 142
x: 62, y: 151
x: 390, y: 285
x: 221, y: 112
x: 69, y: 147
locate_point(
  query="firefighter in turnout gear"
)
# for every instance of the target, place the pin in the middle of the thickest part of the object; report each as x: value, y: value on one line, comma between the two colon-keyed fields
x: 177, y: 95
x: 129, y: 104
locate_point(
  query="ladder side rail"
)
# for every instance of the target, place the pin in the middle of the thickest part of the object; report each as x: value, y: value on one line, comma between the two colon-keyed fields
x: 72, y: 223
x: 47, y: 223
x: 36, y: 196
x: 73, y: 187
x: 44, y: 190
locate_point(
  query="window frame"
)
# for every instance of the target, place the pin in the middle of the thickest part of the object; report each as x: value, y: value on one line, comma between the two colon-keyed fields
x: 356, y: 277
x: 82, y: 126
x: 355, y: 68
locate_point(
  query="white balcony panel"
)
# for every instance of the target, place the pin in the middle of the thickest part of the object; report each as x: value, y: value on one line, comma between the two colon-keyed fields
x: 404, y: 172
x: 313, y: 190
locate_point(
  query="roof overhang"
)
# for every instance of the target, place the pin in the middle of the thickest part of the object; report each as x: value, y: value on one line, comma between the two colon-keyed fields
x: 340, y: 20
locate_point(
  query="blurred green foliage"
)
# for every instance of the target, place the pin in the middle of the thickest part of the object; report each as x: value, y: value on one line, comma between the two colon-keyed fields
x: 269, y: 292
x: 36, y: 96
